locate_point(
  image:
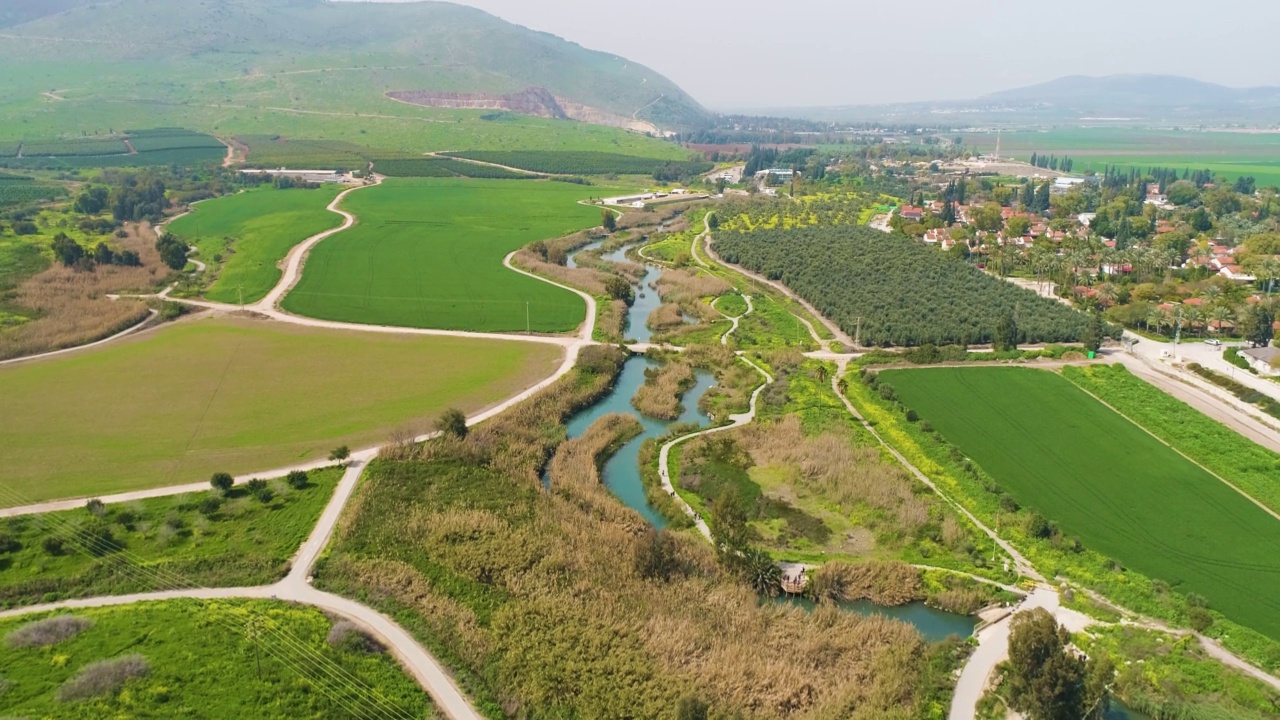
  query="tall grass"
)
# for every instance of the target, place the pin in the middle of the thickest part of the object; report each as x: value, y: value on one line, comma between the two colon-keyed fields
x: 539, y: 603
x: 50, y: 631
x: 659, y: 397
x: 70, y: 306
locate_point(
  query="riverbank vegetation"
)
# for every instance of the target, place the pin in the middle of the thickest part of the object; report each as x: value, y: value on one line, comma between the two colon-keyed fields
x: 178, y: 658
x: 659, y: 397
x: 210, y: 539
x: 514, y: 574
x: 813, y: 487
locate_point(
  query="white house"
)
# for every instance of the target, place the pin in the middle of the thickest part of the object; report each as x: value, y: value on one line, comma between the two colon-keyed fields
x: 1266, y: 360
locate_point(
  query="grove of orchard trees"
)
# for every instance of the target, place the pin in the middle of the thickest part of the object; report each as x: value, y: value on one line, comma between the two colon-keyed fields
x: 904, y: 293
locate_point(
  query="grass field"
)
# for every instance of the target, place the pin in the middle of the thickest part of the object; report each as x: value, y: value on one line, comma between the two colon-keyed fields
x: 203, y: 666
x: 1231, y: 154
x: 238, y: 542
x: 428, y: 253
x: 213, y: 395
x: 1106, y: 481
x: 252, y: 232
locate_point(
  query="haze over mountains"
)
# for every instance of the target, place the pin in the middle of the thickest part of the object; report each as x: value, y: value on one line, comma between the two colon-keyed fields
x: 1137, y: 98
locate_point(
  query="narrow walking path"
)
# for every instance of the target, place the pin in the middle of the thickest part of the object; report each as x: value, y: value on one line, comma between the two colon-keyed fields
x: 840, y: 335
x: 664, y: 455
x: 735, y: 319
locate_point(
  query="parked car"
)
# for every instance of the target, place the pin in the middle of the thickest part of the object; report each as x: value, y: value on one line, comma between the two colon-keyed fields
x: 1214, y: 342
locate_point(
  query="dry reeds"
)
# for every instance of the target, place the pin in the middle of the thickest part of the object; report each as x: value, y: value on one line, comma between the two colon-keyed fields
x: 50, y: 631
x: 659, y: 397
x: 589, y: 280
x: 71, y: 305
x: 883, y: 583
x: 540, y: 601
x: 665, y: 317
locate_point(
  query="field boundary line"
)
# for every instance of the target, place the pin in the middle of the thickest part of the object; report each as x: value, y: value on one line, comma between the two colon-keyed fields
x: 1163, y: 442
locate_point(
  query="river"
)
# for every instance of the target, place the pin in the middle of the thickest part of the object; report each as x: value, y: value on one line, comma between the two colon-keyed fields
x: 621, y: 472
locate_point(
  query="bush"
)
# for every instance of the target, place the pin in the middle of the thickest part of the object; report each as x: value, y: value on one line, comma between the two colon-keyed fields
x: 210, y: 506
x: 256, y: 486
x: 265, y: 496
x: 103, y: 677
x: 95, y: 507
x: 49, y: 631
x: 346, y: 636
x: 452, y: 422
x: 53, y: 545
x: 222, y: 482
x: 297, y: 480
x: 9, y: 543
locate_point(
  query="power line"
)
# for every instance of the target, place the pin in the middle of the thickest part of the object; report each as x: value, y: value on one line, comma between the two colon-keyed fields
x: 312, y: 665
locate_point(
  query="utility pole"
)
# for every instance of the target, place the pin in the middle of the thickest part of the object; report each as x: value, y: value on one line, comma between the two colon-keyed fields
x: 253, y: 635
x: 1177, y: 336
x: 857, y: 335
x: 528, y: 328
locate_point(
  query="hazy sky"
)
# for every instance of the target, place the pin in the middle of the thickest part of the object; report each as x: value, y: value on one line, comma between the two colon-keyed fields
x: 788, y: 53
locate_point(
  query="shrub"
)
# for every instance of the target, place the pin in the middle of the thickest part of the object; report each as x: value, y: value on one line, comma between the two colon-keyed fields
x: 53, y: 545
x: 346, y: 636
x: 210, y: 506
x: 297, y: 480
x: 103, y: 678
x: 95, y: 507
x: 256, y: 486
x: 265, y: 496
x: 452, y: 422
x: 222, y: 482
x: 49, y: 631
x: 9, y: 543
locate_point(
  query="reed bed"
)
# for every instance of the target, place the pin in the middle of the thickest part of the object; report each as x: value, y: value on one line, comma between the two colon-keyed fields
x: 659, y: 397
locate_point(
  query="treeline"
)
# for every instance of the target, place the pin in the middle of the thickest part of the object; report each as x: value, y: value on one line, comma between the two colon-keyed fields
x: 1052, y: 162
x: 894, y: 291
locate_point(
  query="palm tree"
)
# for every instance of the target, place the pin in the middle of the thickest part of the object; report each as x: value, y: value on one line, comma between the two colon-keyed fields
x: 1156, y: 317
x: 1194, y: 317
x: 1221, y: 314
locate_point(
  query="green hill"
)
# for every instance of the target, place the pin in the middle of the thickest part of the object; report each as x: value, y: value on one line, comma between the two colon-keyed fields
x: 310, y: 68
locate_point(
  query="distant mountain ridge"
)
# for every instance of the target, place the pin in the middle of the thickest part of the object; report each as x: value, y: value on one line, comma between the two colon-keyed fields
x: 1135, y: 91
x: 432, y: 47
x: 1142, y: 98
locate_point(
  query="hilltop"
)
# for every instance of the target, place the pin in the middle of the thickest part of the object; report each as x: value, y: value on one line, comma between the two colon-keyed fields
x: 246, y: 65
x: 1136, y: 93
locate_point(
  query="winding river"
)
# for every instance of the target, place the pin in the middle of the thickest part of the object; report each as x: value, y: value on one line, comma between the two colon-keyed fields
x: 621, y: 473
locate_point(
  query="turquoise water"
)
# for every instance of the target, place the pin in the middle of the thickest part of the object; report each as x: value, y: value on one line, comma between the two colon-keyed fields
x: 570, y: 262
x: 621, y: 473
x: 933, y: 624
x: 646, y: 301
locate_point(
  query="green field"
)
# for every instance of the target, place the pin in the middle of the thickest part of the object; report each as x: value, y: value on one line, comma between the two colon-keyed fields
x: 428, y: 253
x: 213, y: 395
x: 1231, y: 154
x: 239, y: 541
x: 1108, y: 482
x: 252, y: 232
x: 203, y: 666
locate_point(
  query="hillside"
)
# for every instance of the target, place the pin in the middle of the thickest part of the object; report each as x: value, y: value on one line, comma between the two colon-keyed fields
x: 1135, y: 92
x: 271, y: 66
